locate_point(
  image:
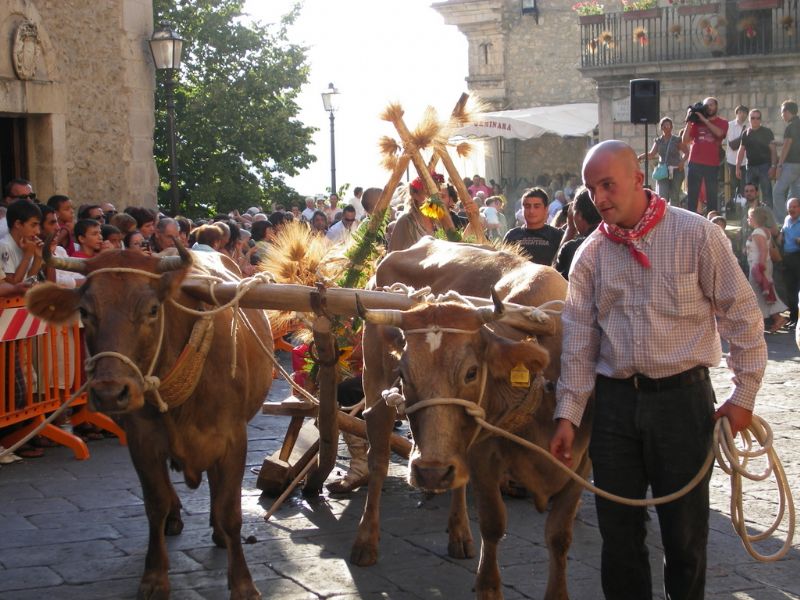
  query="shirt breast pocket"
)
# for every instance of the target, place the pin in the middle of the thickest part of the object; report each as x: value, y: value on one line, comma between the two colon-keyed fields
x: 680, y: 295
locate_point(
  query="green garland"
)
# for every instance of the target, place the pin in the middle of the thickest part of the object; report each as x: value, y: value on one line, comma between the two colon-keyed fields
x: 363, y: 251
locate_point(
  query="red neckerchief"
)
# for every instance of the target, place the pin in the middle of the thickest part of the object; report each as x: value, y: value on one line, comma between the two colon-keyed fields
x: 655, y: 211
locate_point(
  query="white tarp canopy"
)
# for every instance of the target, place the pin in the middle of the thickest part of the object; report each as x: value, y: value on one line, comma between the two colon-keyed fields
x: 566, y: 120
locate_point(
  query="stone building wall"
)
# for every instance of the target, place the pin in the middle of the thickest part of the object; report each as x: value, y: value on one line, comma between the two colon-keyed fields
x: 91, y: 135
x: 515, y: 62
x: 543, y: 60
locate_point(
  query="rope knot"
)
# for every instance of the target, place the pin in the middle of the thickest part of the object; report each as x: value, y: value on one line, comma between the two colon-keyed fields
x: 151, y: 383
x: 395, y: 399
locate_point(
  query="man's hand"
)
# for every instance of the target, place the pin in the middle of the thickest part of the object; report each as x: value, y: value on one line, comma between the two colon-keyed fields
x: 738, y: 417
x: 32, y: 247
x: 561, y: 444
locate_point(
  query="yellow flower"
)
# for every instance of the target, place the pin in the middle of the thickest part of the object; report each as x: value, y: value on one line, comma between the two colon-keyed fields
x: 432, y: 209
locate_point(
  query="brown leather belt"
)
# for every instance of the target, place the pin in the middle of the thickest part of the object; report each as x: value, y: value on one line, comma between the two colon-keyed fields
x: 647, y: 384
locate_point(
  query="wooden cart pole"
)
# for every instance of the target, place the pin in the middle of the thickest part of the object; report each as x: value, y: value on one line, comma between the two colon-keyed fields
x: 456, y: 117
x: 386, y: 195
x: 419, y: 164
x: 463, y: 194
x: 327, y: 380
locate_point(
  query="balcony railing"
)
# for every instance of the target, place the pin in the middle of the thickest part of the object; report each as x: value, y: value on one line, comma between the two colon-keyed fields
x: 691, y: 31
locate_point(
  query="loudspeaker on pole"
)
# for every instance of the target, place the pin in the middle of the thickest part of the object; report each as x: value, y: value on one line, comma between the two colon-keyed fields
x: 645, y: 100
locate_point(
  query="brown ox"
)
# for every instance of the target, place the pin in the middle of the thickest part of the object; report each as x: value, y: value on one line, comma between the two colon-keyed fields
x: 444, y: 458
x: 122, y: 313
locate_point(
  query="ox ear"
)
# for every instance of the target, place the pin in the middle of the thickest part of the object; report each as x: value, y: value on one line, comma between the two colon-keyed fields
x: 394, y: 339
x: 53, y: 303
x: 169, y: 283
x: 504, y: 354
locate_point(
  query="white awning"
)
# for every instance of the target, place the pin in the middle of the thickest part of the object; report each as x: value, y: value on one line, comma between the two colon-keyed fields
x: 566, y: 120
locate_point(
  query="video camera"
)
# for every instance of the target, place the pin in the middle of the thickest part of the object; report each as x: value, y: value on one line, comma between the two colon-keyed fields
x: 698, y: 108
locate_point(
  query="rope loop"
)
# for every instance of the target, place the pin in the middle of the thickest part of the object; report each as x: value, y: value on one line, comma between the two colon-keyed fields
x: 731, y: 459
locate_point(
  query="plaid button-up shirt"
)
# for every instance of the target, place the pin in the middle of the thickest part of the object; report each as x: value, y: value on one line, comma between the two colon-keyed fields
x: 622, y: 319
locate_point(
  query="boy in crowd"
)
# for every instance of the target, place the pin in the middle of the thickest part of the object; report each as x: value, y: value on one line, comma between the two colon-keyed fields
x: 21, y: 250
x: 89, y: 237
x: 65, y: 213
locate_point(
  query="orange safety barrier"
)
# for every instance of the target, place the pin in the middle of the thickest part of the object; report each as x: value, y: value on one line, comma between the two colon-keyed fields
x: 41, y: 366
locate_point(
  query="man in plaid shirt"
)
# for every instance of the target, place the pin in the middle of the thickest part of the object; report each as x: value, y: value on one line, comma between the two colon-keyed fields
x: 651, y: 291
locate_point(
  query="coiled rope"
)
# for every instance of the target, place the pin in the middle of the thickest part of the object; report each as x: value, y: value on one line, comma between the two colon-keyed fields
x: 730, y: 458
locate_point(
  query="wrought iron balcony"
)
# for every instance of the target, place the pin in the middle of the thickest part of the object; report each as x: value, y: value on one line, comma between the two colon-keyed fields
x: 691, y: 30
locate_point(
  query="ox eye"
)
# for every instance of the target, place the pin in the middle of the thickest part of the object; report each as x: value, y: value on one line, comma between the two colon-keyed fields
x: 153, y: 312
x: 472, y: 374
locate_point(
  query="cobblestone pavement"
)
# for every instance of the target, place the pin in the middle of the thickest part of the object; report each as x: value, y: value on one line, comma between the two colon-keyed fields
x: 76, y: 529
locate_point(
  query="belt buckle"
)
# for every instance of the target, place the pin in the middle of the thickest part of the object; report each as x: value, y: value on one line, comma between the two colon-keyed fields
x: 636, y: 382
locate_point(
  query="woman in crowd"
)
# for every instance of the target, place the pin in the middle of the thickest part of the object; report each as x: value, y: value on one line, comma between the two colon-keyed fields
x: 412, y: 225
x: 134, y: 240
x: 760, y: 265
x: 145, y: 220
x: 669, y: 150
x: 319, y: 223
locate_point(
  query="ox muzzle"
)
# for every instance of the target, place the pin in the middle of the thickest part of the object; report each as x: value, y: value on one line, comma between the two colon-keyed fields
x: 112, y: 395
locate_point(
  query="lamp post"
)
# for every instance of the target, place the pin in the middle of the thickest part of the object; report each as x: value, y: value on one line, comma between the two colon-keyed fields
x: 330, y: 102
x: 166, y: 46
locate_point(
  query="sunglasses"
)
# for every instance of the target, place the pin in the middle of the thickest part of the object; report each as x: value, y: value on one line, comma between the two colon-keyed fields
x: 25, y: 197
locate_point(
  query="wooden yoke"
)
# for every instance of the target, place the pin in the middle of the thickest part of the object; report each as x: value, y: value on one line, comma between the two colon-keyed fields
x: 386, y: 195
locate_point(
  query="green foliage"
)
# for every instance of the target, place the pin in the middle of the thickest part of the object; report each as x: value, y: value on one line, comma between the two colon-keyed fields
x: 364, y: 251
x: 235, y: 107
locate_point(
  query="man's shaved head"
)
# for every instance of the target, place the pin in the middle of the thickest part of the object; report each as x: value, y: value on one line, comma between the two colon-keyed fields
x: 613, y: 149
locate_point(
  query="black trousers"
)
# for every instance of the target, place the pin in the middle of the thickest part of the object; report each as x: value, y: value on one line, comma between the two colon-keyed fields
x: 791, y: 278
x: 657, y: 439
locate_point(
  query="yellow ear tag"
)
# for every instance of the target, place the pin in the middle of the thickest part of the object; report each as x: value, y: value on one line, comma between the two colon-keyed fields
x: 520, y: 376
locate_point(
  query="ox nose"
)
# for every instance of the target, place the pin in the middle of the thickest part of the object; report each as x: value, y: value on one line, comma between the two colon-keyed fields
x: 432, y: 476
x: 109, y: 396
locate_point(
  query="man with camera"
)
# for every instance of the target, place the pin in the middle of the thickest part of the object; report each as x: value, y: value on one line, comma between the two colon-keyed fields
x: 705, y: 132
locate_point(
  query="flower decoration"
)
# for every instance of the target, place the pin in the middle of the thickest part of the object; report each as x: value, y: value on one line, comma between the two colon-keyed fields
x: 629, y: 5
x: 640, y: 36
x: 589, y: 7
x: 748, y: 26
x: 787, y: 23
x: 606, y: 38
x: 433, y: 207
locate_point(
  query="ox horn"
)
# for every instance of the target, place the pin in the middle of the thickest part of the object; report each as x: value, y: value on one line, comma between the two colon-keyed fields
x: 379, y: 317
x: 487, y: 315
x: 175, y: 263
x: 75, y: 265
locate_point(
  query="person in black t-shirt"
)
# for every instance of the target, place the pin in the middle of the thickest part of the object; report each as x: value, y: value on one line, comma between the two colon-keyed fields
x: 788, y: 168
x: 537, y: 239
x: 583, y: 220
x: 758, y: 145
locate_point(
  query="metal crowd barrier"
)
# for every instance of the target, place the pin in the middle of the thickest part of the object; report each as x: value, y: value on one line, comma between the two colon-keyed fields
x: 41, y: 367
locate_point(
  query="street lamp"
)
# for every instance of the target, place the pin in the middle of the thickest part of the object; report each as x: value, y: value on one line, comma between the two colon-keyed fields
x: 331, y: 104
x: 166, y: 46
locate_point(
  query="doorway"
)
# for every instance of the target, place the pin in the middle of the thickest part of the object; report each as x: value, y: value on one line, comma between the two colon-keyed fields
x: 13, y: 149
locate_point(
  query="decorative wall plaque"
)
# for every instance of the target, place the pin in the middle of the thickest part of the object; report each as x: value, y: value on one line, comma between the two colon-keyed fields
x: 27, y: 49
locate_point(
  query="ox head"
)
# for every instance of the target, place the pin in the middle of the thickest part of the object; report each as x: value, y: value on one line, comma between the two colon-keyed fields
x: 447, y: 354
x: 120, y: 312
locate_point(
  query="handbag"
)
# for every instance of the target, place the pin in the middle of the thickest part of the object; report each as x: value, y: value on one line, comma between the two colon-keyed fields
x: 661, y: 172
x: 774, y: 251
